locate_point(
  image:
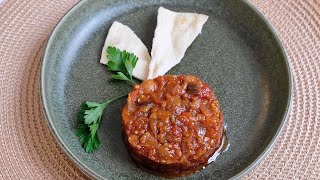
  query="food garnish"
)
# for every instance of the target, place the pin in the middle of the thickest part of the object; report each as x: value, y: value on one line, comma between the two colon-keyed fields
x: 121, y: 62
x: 123, y: 38
x: 89, y: 116
x: 89, y: 119
x: 174, y: 33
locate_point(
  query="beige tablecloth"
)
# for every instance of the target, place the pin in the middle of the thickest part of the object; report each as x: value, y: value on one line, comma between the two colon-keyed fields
x: 29, y: 151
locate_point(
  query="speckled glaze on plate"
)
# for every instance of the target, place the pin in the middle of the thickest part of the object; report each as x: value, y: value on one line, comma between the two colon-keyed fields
x: 237, y: 54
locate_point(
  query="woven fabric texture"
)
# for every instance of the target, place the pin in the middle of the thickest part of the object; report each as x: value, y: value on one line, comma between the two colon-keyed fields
x: 29, y: 151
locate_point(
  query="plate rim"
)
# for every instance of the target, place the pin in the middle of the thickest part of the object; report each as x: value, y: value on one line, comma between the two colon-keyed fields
x: 88, y: 171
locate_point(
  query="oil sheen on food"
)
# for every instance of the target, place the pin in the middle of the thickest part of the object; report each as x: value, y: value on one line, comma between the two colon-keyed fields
x: 172, y: 125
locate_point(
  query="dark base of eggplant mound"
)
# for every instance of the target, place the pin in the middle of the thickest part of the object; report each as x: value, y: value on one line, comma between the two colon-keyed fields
x: 169, y: 171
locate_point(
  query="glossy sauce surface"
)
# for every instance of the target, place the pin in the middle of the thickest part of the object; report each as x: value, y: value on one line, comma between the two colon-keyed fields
x: 172, y: 123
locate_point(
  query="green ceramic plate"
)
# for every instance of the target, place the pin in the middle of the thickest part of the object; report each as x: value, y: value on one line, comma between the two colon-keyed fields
x: 238, y: 54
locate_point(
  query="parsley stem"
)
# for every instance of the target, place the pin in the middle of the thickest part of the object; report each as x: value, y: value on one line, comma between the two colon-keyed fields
x: 134, y: 83
x: 116, y: 98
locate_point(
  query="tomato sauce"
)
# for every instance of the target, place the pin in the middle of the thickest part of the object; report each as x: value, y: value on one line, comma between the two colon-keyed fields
x: 172, y: 125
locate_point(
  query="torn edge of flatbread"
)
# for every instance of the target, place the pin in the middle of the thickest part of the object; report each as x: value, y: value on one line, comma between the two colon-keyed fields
x: 123, y: 38
x: 174, y: 33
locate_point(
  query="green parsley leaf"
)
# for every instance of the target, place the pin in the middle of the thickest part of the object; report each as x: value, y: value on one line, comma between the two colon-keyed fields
x: 89, y: 116
x: 88, y: 123
x: 93, y: 114
x: 115, y: 58
x: 121, y: 62
x: 121, y: 76
x: 129, y: 68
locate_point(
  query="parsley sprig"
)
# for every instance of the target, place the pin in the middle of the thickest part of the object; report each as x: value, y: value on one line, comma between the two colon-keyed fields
x: 121, y: 62
x: 89, y: 116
